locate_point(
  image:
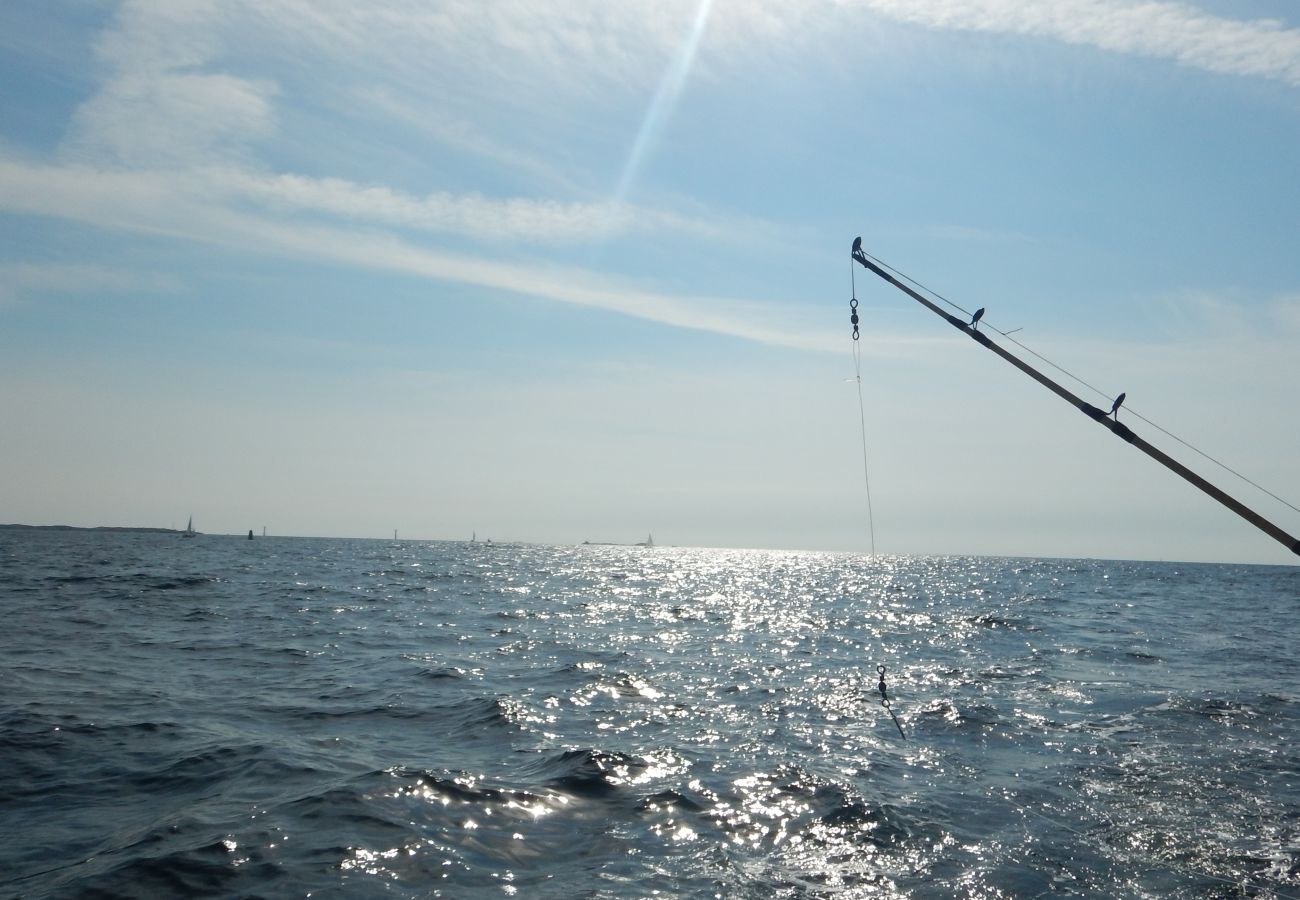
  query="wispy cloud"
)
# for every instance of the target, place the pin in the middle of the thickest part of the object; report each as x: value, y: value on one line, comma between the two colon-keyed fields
x: 170, y: 101
x: 502, y: 60
x: 538, y: 221
x: 460, y: 134
x: 1287, y: 311
x: 470, y: 215
x: 1164, y: 30
x: 981, y: 235
x: 175, y: 205
x: 179, y: 86
x: 160, y: 103
x: 20, y: 280
x: 171, y: 120
x: 590, y: 43
x: 167, y: 144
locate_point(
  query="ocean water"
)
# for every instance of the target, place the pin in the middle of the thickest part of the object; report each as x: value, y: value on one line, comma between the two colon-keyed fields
x: 297, y: 717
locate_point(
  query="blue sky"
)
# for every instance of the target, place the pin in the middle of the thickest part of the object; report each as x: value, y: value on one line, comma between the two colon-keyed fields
x: 579, y: 271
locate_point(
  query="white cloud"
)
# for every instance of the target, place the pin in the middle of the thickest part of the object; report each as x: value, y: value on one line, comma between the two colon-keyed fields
x: 169, y: 103
x: 748, y: 320
x: 180, y: 206
x: 457, y: 132
x: 583, y: 43
x: 531, y: 220
x: 161, y: 104
x: 173, y: 93
x: 1165, y: 30
x: 471, y: 215
x: 160, y: 36
x: 171, y: 120
x: 23, y: 279
x: 508, y: 58
x: 1221, y: 316
x: 589, y: 44
x: 1288, y: 313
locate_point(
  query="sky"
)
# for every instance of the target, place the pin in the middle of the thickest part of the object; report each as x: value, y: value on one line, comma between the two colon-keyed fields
x: 565, y: 271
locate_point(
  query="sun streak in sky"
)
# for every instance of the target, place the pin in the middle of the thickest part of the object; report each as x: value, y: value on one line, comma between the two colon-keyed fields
x: 661, y: 107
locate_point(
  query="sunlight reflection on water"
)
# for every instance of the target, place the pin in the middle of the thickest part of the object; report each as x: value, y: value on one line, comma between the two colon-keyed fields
x: 455, y: 719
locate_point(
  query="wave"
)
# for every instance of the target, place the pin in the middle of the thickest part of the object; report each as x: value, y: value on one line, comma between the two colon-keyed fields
x: 992, y: 620
x: 443, y: 673
x: 591, y: 773
x: 142, y: 581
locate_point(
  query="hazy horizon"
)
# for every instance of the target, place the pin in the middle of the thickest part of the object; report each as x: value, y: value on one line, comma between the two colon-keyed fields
x: 577, y: 270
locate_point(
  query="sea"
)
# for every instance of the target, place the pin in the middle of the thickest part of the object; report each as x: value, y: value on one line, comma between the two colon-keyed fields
x: 293, y: 717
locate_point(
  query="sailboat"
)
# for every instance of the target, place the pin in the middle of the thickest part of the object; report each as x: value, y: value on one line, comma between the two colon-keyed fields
x: 189, y: 529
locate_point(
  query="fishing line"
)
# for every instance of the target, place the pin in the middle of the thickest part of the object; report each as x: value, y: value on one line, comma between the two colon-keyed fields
x: 1100, y: 393
x: 885, y: 701
x: 866, y: 477
x: 1224, y: 466
x: 862, y: 415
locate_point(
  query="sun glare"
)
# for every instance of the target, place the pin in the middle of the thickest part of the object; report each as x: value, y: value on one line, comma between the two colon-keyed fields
x: 661, y: 107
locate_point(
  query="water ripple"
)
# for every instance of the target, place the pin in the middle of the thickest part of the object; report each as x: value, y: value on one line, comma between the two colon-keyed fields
x: 375, y: 718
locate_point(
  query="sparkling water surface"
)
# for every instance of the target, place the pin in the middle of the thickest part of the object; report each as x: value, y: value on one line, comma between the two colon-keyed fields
x: 288, y: 717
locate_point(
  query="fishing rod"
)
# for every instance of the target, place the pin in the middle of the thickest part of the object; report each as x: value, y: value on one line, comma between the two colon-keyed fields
x: 1108, y: 420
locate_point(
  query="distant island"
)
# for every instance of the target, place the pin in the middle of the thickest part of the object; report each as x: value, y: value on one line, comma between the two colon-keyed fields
x: 96, y: 528
x: 648, y: 542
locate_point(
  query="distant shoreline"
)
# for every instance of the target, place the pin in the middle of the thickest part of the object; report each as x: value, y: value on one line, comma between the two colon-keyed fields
x: 95, y: 528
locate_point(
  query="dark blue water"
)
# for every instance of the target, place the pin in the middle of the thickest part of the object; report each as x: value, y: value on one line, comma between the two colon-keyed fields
x: 286, y: 717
